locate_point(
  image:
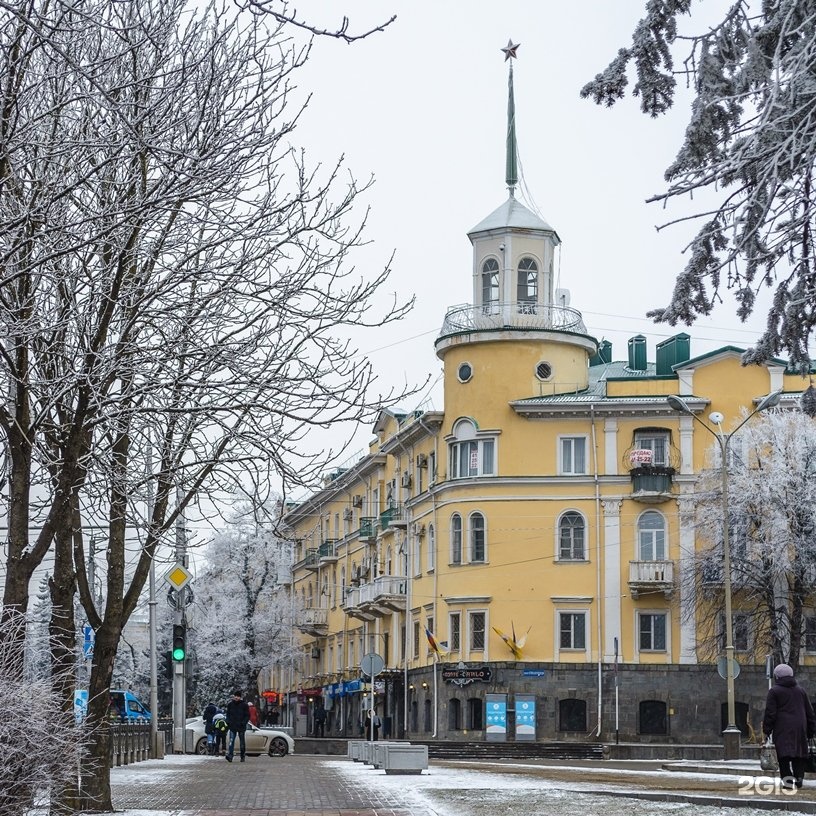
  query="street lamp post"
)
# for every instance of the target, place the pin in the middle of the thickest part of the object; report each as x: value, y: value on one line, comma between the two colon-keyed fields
x: 731, y: 735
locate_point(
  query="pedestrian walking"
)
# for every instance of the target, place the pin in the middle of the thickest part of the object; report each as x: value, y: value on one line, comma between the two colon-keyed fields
x: 254, y: 717
x: 237, y: 718
x: 319, y: 721
x: 220, y: 728
x: 210, y: 710
x: 790, y: 721
x: 372, y: 725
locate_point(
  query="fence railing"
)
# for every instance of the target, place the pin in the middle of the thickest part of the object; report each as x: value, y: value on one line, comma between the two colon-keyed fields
x: 130, y: 742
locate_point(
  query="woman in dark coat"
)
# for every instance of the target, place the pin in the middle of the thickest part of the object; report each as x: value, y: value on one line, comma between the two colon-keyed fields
x: 790, y: 720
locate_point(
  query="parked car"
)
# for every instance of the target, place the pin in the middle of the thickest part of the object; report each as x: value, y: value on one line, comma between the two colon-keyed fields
x: 258, y: 740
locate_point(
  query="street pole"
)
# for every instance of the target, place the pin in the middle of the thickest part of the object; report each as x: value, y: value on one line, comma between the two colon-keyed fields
x: 151, y: 606
x: 731, y: 735
x: 179, y: 687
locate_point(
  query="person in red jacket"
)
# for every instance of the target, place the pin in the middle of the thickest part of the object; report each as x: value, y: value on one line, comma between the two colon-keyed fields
x: 254, y: 718
x: 790, y: 720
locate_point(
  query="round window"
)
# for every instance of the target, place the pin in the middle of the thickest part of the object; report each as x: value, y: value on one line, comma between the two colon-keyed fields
x: 543, y: 371
x: 465, y: 372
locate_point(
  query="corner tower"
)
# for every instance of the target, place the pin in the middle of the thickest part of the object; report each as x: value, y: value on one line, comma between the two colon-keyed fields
x: 519, y: 336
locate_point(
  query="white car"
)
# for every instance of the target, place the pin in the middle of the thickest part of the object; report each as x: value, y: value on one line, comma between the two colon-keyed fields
x: 258, y: 740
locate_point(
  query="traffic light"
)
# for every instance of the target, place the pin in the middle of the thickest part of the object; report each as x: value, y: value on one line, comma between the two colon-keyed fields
x: 179, y: 647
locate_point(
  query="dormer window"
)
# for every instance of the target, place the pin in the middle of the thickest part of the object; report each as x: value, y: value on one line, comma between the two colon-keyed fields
x: 490, y: 284
x: 527, y: 285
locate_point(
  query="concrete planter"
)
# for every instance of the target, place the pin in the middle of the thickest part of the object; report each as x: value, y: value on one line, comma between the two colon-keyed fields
x: 404, y: 758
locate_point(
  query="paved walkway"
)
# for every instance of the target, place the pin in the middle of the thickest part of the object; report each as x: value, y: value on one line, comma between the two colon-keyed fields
x: 310, y: 785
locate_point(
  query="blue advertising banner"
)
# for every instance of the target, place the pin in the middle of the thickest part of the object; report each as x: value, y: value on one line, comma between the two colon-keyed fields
x: 525, y: 717
x: 496, y: 717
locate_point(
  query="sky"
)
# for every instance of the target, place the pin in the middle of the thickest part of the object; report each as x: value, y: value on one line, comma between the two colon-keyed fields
x: 513, y: 789
x: 422, y: 108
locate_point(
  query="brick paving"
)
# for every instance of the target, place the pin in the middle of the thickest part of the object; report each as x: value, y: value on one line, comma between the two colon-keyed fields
x: 261, y: 786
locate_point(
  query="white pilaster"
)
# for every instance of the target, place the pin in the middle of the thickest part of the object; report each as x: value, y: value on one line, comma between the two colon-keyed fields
x: 611, y: 578
x: 611, y: 466
x: 686, y: 445
x: 776, y: 374
x: 688, y: 626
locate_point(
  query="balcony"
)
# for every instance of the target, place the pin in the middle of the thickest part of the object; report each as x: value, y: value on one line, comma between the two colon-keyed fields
x: 651, y: 484
x: 394, y: 516
x: 327, y: 551
x: 351, y: 605
x: 647, y: 577
x: 368, y: 528
x: 313, y: 621
x: 311, y: 560
x: 515, y: 315
x: 380, y: 597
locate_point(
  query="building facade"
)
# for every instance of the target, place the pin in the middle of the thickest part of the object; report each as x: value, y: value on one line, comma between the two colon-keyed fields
x: 521, y: 559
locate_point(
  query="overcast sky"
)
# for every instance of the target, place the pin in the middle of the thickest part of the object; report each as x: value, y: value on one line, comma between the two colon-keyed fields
x: 422, y: 107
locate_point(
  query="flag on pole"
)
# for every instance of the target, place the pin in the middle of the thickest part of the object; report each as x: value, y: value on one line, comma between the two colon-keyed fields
x: 515, y: 644
x: 433, y: 643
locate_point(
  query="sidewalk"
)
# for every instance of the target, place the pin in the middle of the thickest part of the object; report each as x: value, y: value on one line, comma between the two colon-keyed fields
x: 332, y: 786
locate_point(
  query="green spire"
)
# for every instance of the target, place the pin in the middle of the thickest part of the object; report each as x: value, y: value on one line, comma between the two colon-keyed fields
x: 511, y: 164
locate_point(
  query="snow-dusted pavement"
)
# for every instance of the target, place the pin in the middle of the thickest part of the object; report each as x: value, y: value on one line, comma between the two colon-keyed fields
x: 187, y: 785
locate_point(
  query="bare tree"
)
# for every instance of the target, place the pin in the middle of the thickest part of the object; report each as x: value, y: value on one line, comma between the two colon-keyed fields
x: 751, y: 140
x: 772, y: 526
x: 176, y: 287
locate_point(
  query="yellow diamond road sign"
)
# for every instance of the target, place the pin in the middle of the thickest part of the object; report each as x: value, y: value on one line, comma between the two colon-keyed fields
x: 178, y: 576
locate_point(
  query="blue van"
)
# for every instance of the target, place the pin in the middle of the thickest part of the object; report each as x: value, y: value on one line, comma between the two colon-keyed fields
x: 125, y: 706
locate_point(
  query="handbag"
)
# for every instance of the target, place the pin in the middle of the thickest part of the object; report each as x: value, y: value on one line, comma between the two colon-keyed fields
x: 810, y: 761
x: 768, y: 760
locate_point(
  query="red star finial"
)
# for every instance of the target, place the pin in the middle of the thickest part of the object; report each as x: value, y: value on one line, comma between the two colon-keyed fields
x: 510, y: 50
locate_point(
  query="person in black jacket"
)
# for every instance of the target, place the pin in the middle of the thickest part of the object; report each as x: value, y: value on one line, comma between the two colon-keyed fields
x: 789, y: 719
x: 207, y: 715
x: 237, y: 718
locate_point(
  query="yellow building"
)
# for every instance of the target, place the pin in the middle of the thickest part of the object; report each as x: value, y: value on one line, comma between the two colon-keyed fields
x: 538, y: 529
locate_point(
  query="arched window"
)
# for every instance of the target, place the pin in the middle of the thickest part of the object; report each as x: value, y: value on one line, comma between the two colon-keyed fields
x: 652, y: 717
x: 572, y: 537
x: 416, y: 555
x: 456, y: 539
x: 427, y: 719
x: 478, y: 540
x: 572, y: 714
x: 343, y: 583
x: 431, y: 547
x: 388, y: 561
x: 471, y: 455
x: 414, y: 715
x: 527, y: 284
x: 310, y: 596
x: 474, y: 713
x: 333, y: 588
x: 651, y: 530
x: 490, y: 284
x: 324, y: 592
x: 454, y: 714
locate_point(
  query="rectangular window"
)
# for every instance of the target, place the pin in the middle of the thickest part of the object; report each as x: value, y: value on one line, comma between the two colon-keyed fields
x: 573, y: 455
x: 472, y: 457
x: 430, y: 625
x: 416, y: 638
x: 476, y: 621
x: 657, y: 442
x: 810, y: 633
x: 403, y: 645
x: 572, y: 630
x: 653, y: 632
x: 455, y: 631
x: 739, y: 631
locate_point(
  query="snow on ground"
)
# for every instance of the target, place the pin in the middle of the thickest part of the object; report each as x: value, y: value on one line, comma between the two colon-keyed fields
x: 476, y: 791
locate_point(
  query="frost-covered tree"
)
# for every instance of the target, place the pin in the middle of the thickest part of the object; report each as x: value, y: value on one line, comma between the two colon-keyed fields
x: 177, y: 294
x: 751, y: 140
x: 772, y: 530
x: 40, y: 746
x: 241, y: 619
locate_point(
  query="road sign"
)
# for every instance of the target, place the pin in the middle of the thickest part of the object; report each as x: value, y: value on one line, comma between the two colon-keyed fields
x: 372, y: 664
x: 721, y: 667
x: 88, y: 638
x: 178, y: 576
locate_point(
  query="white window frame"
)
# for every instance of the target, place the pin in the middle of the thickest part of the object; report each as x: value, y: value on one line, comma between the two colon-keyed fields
x: 567, y: 468
x: 644, y: 440
x: 470, y: 632
x: 654, y: 550
x: 470, y: 532
x: 457, y: 648
x: 431, y: 554
x: 572, y: 651
x: 452, y: 549
x: 665, y: 614
x: 558, y: 556
x: 466, y: 440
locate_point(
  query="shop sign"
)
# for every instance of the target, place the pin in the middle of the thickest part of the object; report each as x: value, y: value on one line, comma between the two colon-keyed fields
x: 461, y: 675
x: 353, y: 686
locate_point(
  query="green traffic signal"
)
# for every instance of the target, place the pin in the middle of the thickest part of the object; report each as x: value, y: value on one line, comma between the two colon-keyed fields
x: 179, y: 648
